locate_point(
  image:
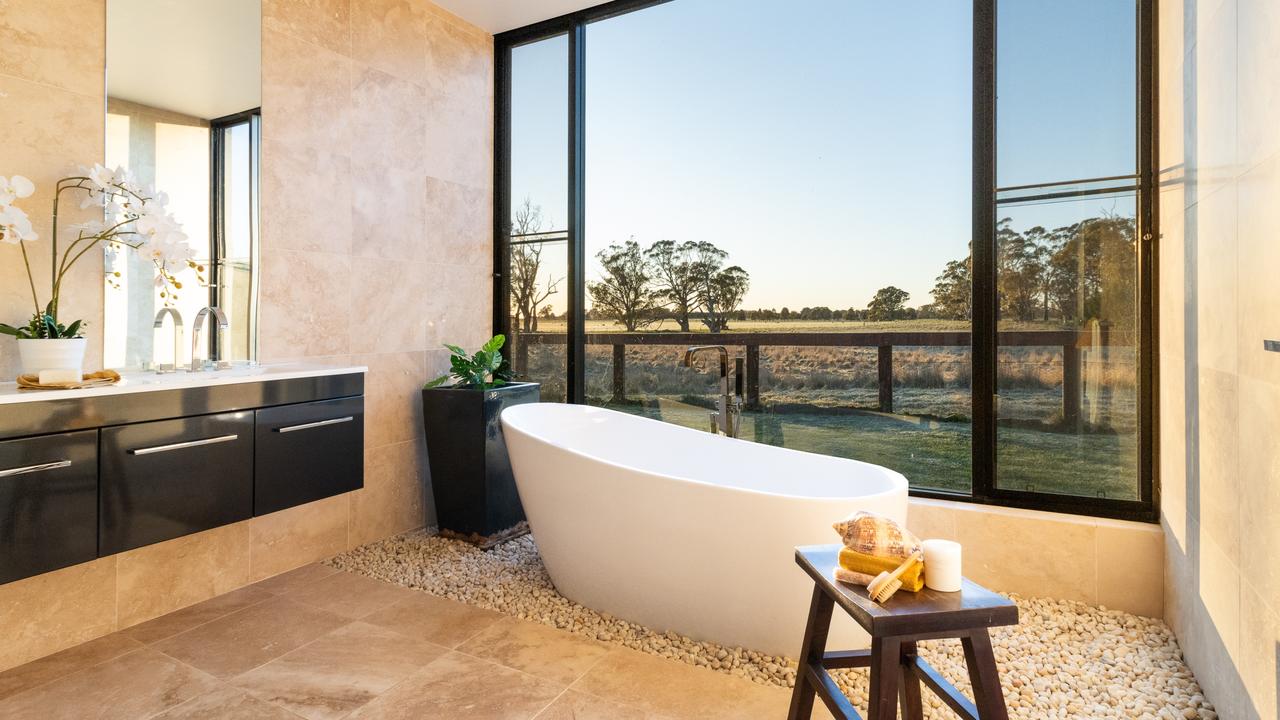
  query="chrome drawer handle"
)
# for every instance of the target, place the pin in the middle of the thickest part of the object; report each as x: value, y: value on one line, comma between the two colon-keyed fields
x: 35, y: 468
x: 318, y: 423
x: 183, y: 445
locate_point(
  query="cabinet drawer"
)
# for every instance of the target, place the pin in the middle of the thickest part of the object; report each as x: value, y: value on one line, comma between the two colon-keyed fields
x: 48, y: 503
x: 306, y: 452
x: 165, y: 479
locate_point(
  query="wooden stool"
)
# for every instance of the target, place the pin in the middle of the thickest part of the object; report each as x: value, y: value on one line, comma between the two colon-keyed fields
x: 895, y: 628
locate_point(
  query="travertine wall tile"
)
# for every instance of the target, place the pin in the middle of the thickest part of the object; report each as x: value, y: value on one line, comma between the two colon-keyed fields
x: 168, y: 576
x: 394, y: 496
x: 320, y: 22
x: 60, y: 43
x: 292, y: 538
x: 47, y: 613
x: 1219, y: 390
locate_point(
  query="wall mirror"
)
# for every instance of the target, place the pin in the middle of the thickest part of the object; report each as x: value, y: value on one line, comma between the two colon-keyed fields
x: 183, y: 115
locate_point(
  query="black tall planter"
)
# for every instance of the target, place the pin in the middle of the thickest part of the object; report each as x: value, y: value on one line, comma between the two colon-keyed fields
x: 471, y: 478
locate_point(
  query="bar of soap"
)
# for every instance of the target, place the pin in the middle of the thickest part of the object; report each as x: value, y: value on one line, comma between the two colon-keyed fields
x: 58, y: 377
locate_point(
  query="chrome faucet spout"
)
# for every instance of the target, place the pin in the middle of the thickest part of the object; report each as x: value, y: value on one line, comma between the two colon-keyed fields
x: 177, y: 339
x: 217, y: 362
x: 728, y: 408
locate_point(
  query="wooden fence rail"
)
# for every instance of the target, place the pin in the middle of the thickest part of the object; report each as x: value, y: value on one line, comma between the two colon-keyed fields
x: 1072, y: 343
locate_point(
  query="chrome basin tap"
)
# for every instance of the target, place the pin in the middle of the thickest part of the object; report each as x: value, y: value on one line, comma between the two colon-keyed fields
x: 728, y: 413
x: 177, y: 339
x: 217, y: 362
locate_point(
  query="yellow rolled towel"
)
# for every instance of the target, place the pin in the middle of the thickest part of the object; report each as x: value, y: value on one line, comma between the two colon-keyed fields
x: 854, y: 561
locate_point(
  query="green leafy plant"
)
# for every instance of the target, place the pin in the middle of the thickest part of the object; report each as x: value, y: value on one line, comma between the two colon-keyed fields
x: 484, y: 370
x: 43, y: 326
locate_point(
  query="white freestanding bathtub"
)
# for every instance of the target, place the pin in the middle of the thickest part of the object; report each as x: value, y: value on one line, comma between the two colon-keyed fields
x: 683, y: 530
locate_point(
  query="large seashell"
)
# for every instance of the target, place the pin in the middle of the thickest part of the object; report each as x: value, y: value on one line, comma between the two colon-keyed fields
x: 873, y: 534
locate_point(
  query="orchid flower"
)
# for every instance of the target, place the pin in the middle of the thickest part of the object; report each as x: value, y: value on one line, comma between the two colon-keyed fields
x: 15, y: 226
x: 14, y: 188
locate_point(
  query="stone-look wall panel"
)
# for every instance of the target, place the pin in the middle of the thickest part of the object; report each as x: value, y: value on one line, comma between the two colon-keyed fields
x: 1219, y: 391
x: 376, y: 246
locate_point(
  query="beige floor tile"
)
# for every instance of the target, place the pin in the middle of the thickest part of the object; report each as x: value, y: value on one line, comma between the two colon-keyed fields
x: 537, y: 649
x: 434, y: 619
x: 672, y: 688
x: 573, y: 705
x: 350, y: 595
x: 460, y: 687
x: 189, y: 617
x: 61, y: 664
x: 243, y: 640
x: 298, y: 577
x: 226, y: 703
x: 330, y: 677
x: 136, y: 685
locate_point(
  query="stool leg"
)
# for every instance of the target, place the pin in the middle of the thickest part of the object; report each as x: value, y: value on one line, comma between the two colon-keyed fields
x: 984, y: 675
x: 909, y: 685
x: 811, y: 652
x: 886, y: 665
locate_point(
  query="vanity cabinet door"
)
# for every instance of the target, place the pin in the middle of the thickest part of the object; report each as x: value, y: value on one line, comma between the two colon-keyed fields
x: 48, y: 503
x: 165, y: 479
x: 308, y: 451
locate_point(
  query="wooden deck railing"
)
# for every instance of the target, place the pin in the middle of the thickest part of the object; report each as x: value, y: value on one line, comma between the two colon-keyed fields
x: 1071, y: 342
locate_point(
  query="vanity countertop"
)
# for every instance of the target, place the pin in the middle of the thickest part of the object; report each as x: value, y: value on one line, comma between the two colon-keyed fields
x: 139, y: 382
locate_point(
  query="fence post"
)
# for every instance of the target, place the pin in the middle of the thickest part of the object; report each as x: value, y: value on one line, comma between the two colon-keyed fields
x: 1070, y: 385
x: 753, y: 377
x: 522, y: 354
x: 885, y: 366
x: 619, y: 374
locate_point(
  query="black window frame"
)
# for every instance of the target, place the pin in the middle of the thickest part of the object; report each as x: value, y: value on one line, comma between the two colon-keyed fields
x: 984, y: 192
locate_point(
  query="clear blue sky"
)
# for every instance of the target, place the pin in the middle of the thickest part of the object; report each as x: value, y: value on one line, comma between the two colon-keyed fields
x: 825, y: 144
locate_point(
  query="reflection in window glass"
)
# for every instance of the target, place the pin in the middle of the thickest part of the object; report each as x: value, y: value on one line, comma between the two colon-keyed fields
x: 1068, y: 362
x: 537, y: 279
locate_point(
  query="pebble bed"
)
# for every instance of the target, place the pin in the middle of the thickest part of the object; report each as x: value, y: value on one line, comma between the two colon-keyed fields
x: 1063, y: 660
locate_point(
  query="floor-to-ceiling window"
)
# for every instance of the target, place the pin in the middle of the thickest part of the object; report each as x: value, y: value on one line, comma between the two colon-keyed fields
x: 917, y: 226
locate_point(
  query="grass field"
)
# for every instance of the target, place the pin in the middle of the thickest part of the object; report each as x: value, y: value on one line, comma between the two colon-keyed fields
x: 825, y: 400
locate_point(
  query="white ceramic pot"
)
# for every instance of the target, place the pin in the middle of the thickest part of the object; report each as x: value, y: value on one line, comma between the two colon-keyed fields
x: 61, y: 354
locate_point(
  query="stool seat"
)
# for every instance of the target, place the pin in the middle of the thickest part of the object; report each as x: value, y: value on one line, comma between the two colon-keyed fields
x: 895, y: 628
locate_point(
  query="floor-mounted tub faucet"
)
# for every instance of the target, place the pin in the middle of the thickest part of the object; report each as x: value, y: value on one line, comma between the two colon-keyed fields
x: 216, y: 362
x: 177, y: 339
x: 728, y: 412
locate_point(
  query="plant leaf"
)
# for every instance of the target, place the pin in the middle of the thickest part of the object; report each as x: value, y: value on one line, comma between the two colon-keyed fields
x: 495, y: 343
x: 73, y: 329
x: 437, y: 382
x: 456, y: 350
x: 22, y: 333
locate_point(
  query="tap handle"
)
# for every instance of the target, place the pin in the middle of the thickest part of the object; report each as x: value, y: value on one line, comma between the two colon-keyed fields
x: 739, y: 376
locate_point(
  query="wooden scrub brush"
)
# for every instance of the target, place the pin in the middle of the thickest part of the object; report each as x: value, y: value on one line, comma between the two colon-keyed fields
x: 886, y: 584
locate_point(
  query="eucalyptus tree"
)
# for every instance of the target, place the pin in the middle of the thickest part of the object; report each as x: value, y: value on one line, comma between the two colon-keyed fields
x: 528, y: 289
x: 625, y: 291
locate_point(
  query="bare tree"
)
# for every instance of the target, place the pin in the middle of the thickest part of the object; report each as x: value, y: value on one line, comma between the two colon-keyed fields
x: 528, y: 292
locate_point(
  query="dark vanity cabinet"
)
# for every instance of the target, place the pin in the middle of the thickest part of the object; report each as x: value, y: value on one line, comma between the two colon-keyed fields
x: 161, y: 480
x: 48, y: 503
x: 307, y: 452
x: 98, y: 474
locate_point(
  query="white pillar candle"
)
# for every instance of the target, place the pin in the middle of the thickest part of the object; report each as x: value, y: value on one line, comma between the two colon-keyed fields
x: 942, y: 565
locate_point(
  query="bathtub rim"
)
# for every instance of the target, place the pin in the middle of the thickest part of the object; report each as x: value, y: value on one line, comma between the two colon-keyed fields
x: 900, y: 482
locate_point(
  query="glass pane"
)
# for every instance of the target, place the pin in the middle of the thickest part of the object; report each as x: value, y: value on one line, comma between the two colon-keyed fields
x: 539, y: 252
x: 1066, y: 82
x: 239, y: 228
x: 737, y: 183
x: 1067, y: 372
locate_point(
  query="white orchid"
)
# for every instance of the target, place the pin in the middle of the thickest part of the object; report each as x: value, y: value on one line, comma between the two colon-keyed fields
x: 132, y: 216
x: 15, y: 226
x: 106, y: 178
x: 14, y: 188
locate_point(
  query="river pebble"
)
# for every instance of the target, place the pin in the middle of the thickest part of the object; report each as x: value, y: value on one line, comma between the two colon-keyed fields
x: 1063, y: 660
